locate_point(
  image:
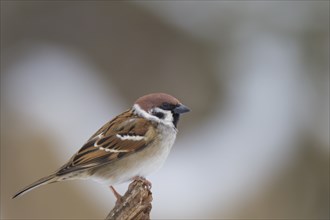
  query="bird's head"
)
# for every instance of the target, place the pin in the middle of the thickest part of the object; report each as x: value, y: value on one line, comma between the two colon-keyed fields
x: 160, y: 107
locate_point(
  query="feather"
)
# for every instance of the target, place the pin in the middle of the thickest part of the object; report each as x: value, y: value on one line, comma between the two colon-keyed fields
x: 40, y: 182
x: 107, y: 144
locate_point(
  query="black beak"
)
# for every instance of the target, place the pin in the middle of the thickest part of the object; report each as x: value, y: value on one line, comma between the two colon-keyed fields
x: 181, y: 109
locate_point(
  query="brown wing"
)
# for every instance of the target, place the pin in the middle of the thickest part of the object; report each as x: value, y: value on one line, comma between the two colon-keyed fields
x: 125, y: 134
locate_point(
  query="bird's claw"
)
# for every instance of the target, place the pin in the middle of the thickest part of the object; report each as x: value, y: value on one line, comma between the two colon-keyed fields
x: 144, y: 180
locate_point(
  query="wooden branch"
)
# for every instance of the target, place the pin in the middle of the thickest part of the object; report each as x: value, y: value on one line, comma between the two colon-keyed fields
x: 135, y: 204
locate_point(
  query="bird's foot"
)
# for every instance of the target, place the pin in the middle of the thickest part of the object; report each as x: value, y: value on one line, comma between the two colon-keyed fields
x: 144, y: 180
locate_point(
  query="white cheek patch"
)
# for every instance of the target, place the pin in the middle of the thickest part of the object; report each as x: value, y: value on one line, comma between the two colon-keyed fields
x: 139, y: 111
x: 168, y: 119
x: 168, y: 116
x: 130, y: 137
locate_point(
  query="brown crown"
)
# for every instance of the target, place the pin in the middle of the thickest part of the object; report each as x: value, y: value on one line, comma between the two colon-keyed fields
x: 150, y: 101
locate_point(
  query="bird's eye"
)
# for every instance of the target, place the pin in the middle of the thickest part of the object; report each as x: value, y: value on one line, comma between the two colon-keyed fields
x: 166, y: 106
x: 159, y: 115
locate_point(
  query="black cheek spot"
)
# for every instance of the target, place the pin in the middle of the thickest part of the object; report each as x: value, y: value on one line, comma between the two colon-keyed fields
x: 159, y: 115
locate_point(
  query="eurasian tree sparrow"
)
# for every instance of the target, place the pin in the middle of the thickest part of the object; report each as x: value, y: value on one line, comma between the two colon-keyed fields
x: 132, y: 145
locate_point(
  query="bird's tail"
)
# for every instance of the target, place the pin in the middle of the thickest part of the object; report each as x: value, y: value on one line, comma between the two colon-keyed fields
x: 45, y: 180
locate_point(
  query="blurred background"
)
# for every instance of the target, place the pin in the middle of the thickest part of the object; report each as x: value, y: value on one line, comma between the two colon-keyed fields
x: 254, y: 73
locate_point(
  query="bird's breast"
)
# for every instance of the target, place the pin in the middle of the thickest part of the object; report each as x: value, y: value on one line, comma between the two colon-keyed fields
x: 155, y: 155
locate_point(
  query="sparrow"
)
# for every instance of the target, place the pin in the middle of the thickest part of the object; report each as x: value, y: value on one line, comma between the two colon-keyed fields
x: 132, y: 145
